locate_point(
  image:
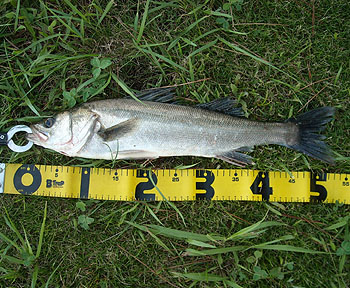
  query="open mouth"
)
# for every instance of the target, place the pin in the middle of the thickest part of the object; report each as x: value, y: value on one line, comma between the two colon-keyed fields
x: 37, y: 136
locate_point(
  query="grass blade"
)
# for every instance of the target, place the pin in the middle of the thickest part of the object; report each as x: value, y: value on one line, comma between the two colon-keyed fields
x: 102, y: 88
x: 29, y: 247
x: 200, y: 243
x: 71, y: 27
x: 35, y: 43
x: 182, y: 167
x: 284, y: 238
x: 232, y: 284
x: 338, y: 75
x: 17, y: 14
x: 210, y: 252
x: 143, y: 22
x: 189, y: 28
x: 42, y: 230
x: 172, y: 63
x: 14, y: 229
x: 253, y: 228
x: 75, y: 10
x: 14, y: 260
x: 164, y: 5
x: 341, y: 223
x: 160, y: 242
x: 35, y: 276
x: 153, y: 215
x: 31, y: 106
x: 256, y: 58
x: 9, y: 241
x: 108, y: 7
x: 124, y: 87
x: 290, y: 248
x: 206, y: 46
x: 51, y: 275
x: 171, y: 204
x: 173, y: 233
x: 201, y: 276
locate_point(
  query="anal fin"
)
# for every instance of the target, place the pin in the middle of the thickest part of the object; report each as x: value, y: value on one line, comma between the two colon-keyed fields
x: 236, y: 158
x: 245, y: 149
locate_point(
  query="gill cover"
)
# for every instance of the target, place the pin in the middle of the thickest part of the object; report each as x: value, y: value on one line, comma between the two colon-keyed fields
x: 67, y: 132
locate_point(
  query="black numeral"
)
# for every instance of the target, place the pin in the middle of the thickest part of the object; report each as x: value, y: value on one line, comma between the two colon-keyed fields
x: 264, y: 190
x: 209, y: 179
x: 321, y: 190
x: 144, y: 186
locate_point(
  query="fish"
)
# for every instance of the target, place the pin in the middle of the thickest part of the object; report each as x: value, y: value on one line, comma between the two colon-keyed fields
x: 156, y: 126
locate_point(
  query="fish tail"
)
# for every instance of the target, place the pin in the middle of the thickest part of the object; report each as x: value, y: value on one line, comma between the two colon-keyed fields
x: 309, y: 141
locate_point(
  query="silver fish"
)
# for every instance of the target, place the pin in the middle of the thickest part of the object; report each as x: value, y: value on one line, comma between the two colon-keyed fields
x: 152, y: 128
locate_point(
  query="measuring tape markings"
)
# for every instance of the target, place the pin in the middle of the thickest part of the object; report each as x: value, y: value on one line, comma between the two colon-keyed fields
x: 194, y: 184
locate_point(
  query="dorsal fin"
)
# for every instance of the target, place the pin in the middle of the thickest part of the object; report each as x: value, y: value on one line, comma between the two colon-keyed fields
x: 224, y: 105
x: 163, y: 95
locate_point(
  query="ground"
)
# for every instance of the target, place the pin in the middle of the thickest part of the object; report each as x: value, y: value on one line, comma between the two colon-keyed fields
x: 278, y: 58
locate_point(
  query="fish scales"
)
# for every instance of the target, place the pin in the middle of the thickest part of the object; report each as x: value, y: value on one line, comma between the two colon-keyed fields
x: 172, y: 130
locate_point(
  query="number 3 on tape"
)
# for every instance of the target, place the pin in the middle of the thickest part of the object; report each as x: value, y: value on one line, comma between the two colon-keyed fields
x: 209, y: 179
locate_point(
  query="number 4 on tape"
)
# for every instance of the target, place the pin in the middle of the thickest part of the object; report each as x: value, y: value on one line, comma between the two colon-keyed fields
x: 261, y: 186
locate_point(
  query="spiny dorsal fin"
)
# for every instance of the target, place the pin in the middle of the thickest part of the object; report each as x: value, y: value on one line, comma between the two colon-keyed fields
x: 224, y: 105
x: 166, y: 95
x: 163, y: 95
x: 119, y: 130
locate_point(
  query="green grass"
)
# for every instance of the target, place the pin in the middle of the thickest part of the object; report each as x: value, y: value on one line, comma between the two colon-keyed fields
x: 279, y: 58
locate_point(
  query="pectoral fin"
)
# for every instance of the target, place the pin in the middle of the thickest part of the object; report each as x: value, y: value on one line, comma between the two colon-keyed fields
x: 118, y: 131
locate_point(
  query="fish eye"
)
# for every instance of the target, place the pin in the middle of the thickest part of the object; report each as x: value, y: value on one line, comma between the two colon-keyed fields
x: 49, y: 122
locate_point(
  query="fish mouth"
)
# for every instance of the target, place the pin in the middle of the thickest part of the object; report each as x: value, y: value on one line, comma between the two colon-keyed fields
x: 37, y: 136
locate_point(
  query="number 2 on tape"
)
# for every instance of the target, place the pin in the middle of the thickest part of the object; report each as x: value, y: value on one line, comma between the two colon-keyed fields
x: 144, y: 186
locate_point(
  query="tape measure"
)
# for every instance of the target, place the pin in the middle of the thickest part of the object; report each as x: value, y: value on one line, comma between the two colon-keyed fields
x: 174, y: 185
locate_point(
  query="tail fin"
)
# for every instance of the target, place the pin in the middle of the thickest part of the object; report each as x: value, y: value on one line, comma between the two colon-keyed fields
x: 310, y: 141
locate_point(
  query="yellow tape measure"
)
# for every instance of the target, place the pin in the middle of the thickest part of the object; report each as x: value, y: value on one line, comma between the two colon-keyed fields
x: 174, y: 185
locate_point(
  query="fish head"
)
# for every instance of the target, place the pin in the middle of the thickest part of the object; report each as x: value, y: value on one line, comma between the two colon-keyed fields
x: 66, y: 132
x: 52, y: 131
